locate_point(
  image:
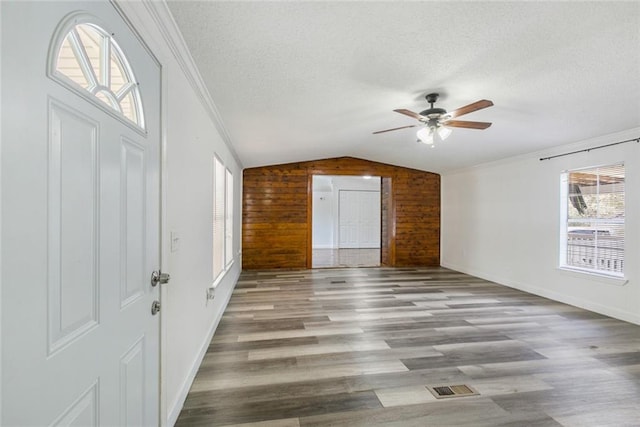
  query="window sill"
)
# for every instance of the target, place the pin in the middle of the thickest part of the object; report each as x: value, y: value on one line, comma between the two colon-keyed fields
x: 596, y: 277
x: 222, y: 274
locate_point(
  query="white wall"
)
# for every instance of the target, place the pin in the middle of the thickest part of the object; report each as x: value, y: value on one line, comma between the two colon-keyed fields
x: 500, y: 221
x: 190, y: 319
x: 192, y: 137
x: 322, y: 219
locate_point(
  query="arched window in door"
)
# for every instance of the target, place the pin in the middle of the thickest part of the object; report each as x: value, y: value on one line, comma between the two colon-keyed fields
x: 88, y: 58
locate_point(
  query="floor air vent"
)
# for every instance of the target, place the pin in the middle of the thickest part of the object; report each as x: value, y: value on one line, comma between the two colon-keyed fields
x: 446, y: 391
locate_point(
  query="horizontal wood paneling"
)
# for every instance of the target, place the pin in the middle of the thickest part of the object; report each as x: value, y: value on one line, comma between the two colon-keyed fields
x: 276, y: 213
x: 274, y: 218
x: 417, y: 207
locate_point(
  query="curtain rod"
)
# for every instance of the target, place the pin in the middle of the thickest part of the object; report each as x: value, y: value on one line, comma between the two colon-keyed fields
x: 586, y: 150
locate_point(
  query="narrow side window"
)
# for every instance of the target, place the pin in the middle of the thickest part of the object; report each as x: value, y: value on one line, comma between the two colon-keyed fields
x: 218, y: 217
x: 229, y: 219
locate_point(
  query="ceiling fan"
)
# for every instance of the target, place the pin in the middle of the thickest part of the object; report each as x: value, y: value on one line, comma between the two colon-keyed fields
x: 437, y: 122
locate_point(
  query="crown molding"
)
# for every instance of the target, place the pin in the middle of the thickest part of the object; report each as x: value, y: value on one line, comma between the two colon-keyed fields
x: 159, y: 12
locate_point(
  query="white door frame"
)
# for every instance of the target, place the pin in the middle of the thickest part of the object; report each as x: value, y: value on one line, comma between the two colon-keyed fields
x: 1, y: 149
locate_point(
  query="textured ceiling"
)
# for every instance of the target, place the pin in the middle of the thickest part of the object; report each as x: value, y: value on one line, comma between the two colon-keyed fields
x: 306, y: 80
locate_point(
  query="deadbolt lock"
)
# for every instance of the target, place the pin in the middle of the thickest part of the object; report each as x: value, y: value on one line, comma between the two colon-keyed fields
x: 159, y: 277
x: 155, y: 307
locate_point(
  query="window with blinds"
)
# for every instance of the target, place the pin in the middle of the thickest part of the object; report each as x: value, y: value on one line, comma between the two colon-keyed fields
x: 229, y: 219
x: 219, y: 198
x: 593, y: 220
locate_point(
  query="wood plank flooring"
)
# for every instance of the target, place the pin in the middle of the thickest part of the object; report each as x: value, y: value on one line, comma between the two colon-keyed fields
x: 357, y: 347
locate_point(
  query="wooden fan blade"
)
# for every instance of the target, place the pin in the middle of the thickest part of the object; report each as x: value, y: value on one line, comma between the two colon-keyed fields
x: 466, y: 124
x: 389, y: 130
x: 478, y: 105
x: 409, y: 113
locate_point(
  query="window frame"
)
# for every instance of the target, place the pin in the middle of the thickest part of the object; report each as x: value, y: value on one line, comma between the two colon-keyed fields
x: 228, y: 219
x: 225, y: 244
x: 65, y: 27
x: 607, y: 275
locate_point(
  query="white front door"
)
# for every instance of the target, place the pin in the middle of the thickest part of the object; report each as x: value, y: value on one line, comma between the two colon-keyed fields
x: 80, y: 231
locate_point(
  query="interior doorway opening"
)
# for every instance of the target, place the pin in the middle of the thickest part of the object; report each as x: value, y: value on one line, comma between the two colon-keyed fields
x: 346, y: 221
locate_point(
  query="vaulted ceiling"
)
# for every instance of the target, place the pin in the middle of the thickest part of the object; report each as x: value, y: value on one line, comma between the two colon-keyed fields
x: 297, y: 81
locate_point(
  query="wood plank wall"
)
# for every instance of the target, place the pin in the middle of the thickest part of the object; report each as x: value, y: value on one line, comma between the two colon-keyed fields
x: 276, y: 216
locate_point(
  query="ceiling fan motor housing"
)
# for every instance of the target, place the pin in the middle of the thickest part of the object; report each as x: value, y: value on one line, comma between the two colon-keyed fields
x: 433, y: 112
x: 432, y: 97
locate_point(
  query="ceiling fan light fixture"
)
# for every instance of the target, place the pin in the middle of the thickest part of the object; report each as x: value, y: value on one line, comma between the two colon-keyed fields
x: 433, y: 133
x: 444, y: 132
x: 425, y: 135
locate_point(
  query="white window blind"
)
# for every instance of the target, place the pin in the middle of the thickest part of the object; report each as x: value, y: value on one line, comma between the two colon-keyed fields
x: 593, y: 220
x: 229, y: 219
x: 218, y: 217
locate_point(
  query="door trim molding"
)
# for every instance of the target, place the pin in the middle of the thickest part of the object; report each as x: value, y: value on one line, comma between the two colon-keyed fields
x: 309, y: 220
x: 391, y: 241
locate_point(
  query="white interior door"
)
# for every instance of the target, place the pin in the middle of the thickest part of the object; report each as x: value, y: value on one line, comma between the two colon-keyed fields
x: 348, y: 219
x: 359, y: 219
x: 80, y: 232
x: 369, y: 224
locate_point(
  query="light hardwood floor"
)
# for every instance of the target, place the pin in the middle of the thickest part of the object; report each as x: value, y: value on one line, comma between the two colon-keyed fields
x: 358, y: 347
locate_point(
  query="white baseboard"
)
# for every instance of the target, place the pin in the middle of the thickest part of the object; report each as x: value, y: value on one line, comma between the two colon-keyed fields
x: 176, y: 407
x: 323, y: 247
x: 563, y: 298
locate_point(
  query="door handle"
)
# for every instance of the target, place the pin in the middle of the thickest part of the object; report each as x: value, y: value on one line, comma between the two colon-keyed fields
x: 159, y: 277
